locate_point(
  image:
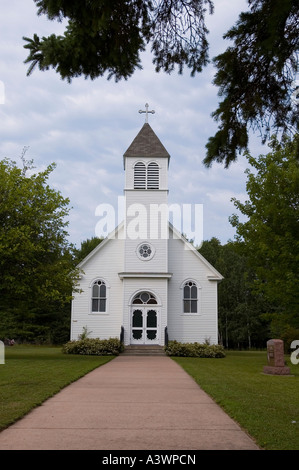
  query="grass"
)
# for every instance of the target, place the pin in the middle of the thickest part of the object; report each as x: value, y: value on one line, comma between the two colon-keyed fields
x: 266, y: 406
x: 31, y: 374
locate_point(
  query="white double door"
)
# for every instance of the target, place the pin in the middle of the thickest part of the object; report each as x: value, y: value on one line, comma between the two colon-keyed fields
x: 145, y: 325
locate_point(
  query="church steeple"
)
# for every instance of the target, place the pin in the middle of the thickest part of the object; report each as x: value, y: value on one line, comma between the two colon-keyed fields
x: 146, y: 162
x: 146, y: 192
x: 146, y: 145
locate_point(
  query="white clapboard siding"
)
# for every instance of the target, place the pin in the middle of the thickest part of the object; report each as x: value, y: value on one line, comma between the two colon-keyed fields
x: 184, y: 264
x: 105, y: 263
x: 147, y: 221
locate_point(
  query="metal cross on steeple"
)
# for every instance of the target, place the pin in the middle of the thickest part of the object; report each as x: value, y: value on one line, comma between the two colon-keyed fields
x: 146, y: 112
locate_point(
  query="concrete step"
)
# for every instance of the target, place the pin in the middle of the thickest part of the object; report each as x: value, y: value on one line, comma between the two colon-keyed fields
x: 144, y: 350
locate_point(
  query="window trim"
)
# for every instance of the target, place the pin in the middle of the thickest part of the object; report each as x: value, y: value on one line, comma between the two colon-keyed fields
x: 140, y: 178
x: 143, y: 303
x: 141, y: 291
x: 91, y: 312
x: 153, y: 251
x: 151, y: 176
x: 198, y: 298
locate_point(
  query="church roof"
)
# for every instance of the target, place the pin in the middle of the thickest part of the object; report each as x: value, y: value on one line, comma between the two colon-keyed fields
x: 212, y: 274
x: 146, y: 144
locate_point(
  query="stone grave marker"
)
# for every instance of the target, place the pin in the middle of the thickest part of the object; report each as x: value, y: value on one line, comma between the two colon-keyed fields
x: 2, y: 353
x: 275, y: 355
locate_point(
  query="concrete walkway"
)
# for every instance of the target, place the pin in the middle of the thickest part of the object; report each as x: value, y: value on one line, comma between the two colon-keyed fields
x: 130, y: 403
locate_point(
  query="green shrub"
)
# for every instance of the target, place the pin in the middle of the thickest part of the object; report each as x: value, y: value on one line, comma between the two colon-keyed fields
x: 175, y: 348
x: 94, y: 347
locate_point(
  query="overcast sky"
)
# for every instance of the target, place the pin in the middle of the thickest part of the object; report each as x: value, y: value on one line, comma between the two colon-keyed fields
x: 86, y: 126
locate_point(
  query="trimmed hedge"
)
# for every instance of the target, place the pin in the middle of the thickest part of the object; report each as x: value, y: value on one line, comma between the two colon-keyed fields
x: 94, y: 347
x: 175, y: 348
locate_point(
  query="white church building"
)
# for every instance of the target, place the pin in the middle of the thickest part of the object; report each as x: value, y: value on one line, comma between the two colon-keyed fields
x: 148, y: 284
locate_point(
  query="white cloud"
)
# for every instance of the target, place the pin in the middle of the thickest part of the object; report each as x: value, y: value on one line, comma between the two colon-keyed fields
x: 87, y: 126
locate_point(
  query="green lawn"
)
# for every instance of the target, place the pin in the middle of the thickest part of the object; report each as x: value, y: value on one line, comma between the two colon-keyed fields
x: 31, y: 374
x: 266, y: 406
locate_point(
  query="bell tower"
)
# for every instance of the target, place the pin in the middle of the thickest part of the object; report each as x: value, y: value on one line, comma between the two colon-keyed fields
x: 145, y: 277
x: 146, y: 196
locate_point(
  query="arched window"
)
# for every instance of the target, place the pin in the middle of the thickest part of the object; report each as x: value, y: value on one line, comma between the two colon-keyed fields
x: 153, y: 176
x: 146, y: 177
x: 144, y: 298
x: 190, y: 297
x: 99, y: 297
x: 139, y: 176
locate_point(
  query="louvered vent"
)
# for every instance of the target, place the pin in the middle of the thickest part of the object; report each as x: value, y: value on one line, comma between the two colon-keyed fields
x: 139, y: 176
x: 152, y: 176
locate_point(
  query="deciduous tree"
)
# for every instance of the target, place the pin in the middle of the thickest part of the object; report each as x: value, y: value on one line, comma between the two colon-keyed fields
x: 240, y: 310
x: 37, y: 272
x: 270, y: 233
x: 86, y: 247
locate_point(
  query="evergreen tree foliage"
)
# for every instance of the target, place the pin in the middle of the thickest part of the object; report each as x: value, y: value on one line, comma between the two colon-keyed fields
x: 256, y: 77
x: 104, y: 36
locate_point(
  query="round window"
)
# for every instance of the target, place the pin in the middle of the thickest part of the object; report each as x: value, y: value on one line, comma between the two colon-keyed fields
x: 145, y: 251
